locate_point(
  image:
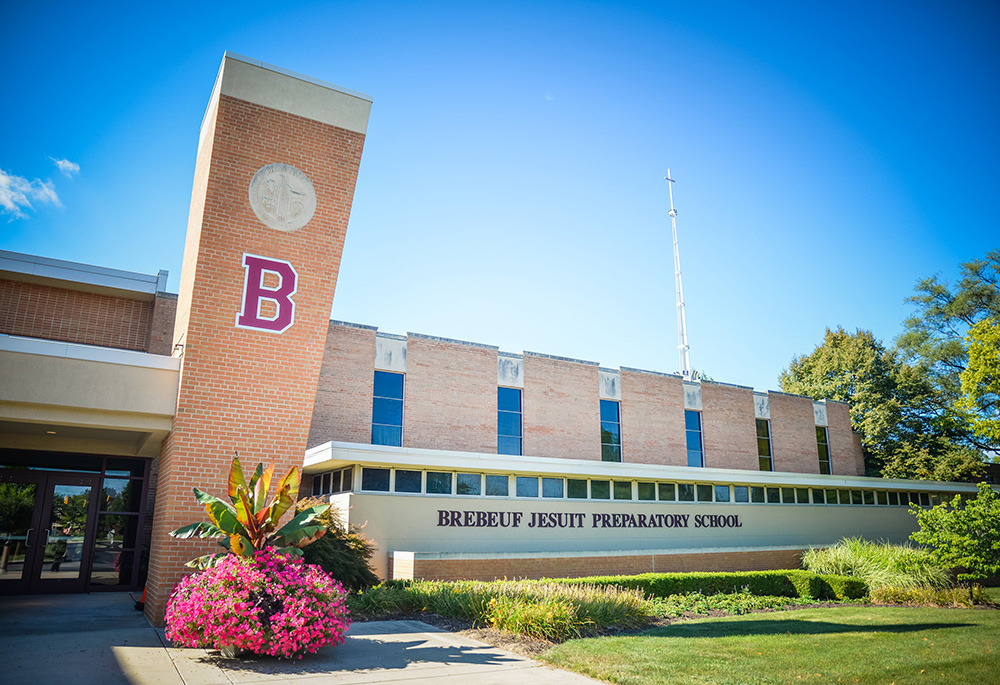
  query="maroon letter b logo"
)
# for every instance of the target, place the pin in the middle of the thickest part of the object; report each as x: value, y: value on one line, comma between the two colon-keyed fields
x: 256, y: 293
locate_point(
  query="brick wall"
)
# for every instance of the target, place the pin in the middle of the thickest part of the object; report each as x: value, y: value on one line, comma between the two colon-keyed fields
x: 590, y: 565
x: 562, y: 411
x: 343, y: 408
x: 450, y: 395
x: 793, y: 433
x: 241, y: 389
x: 43, y: 311
x: 161, y: 328
x: 652, y: 414
x: 846, y: 457
x: 729, y: 431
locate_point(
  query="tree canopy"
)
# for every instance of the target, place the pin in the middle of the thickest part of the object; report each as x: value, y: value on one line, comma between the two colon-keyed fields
x: 892, y: 407
x: 981, y: 380
x: 934, y: 338
x: 930, y: 407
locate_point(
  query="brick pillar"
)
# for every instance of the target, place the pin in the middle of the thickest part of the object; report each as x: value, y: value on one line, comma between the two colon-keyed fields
x: 256, y: 288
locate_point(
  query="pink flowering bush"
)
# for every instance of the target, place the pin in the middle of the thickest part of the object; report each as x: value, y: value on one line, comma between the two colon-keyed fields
x: 269, y: 604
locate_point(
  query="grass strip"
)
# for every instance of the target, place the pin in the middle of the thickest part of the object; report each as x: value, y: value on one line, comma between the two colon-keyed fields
x: 849, y: 644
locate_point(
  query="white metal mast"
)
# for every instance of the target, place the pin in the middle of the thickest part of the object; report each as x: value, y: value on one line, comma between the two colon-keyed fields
x: 682, y: 336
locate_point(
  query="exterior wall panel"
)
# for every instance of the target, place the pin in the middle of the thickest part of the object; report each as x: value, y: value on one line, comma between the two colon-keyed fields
x: 562, y: 410
x: 652, y: 418
x: 793, y: 433
x: 846, y: 457
x: 728, y: 427
x: 343, y: 407
x: 34, y: 310
x: 450, y: 395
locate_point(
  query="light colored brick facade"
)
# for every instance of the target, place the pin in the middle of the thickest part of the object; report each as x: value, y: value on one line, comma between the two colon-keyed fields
x: 846, y: 455
x: 561, y: 408
x: 343, y: 407
x: 450, y: 395
x: 793, y: 433
x: 728, y: 428
x: 652, y: 413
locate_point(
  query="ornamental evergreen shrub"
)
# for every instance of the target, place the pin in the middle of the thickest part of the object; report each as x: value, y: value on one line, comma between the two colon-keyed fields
x: 788, y: 583
x: 343, y: 552
x: 269, y: 604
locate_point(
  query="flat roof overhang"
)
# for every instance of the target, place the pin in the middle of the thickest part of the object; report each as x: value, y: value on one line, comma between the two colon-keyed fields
x: 333, y: 455
x: 67, y: 397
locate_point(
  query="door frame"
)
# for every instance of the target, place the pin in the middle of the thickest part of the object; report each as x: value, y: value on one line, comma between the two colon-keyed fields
x: 31, y: 581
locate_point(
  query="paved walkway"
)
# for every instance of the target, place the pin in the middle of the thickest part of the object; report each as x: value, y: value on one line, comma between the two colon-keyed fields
x: 101, y: 639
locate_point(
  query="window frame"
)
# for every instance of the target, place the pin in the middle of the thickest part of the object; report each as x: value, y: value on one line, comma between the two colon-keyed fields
x: 385, y: 398
x: 507, y: 438
x: 611, y: 451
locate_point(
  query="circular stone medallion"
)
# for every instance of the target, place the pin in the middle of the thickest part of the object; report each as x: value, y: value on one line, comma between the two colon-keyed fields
x: 282, y: 197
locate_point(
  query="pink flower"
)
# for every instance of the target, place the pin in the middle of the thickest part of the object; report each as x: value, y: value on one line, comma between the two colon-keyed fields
x: 270, y: 604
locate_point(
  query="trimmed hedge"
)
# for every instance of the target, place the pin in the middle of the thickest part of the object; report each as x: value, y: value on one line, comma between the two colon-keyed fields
x: 790, y: 583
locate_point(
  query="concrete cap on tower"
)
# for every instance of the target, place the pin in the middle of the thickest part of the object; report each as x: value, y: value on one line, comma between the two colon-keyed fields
x: 270, y: 86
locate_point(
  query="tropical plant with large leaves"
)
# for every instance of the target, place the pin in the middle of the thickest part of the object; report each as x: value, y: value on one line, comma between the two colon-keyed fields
x: 250, y: 523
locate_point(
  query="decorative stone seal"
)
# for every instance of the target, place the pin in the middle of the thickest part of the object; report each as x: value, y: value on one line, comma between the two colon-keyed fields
x: 282, y: 197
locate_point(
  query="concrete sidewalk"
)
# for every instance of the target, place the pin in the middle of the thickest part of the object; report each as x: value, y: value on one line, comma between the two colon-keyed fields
x: 102, y: 639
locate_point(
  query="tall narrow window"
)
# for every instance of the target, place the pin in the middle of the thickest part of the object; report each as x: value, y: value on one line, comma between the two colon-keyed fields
x: 611, y: 434
x: 823, y: 446
x: 692, y: 425
x: 387, y: 409
x: 508, y: 421
x: 764, y: 445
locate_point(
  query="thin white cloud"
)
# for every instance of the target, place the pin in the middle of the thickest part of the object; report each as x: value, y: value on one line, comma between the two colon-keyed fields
x: 17, y: 193
x: 67, y: 167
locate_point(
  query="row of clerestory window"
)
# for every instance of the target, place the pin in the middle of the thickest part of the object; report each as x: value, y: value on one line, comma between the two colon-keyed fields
x: 431, y: 482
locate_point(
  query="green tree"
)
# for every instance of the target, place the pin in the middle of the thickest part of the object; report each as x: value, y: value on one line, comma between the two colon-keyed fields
x: 893, y: 407
x: 934, y: 339
x: 964, y: 534
x: 981, y: 380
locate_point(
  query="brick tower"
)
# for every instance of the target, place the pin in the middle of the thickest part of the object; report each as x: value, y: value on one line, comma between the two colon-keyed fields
x: 277, y: 163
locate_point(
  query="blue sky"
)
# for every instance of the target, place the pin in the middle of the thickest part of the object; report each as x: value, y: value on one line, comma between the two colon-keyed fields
x: 511, y: 190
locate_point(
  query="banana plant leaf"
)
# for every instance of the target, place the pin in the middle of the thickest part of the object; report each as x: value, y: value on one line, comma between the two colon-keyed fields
x: 221, y: 513
x: 236, y: 479
x: 282, y: 503
x: 300, y: 537
x: 202, y: 529
x: 207, y: 561
x: 261, y: 487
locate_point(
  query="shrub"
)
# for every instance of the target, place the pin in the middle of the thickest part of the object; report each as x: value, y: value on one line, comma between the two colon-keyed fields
x: 269, y: 604
x: 736, y: 603
x: 930, y: 596
x: 343, y: 552
x: 878, y: 564
x: 789, y: 583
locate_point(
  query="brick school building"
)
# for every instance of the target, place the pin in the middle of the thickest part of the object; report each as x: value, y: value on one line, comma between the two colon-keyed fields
x: 118, y: 397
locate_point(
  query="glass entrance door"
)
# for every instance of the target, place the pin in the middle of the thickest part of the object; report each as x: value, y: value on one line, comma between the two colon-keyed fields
x: 46, y: 529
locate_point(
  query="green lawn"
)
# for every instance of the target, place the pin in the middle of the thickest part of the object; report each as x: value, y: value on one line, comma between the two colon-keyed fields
x: 842, y: 644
